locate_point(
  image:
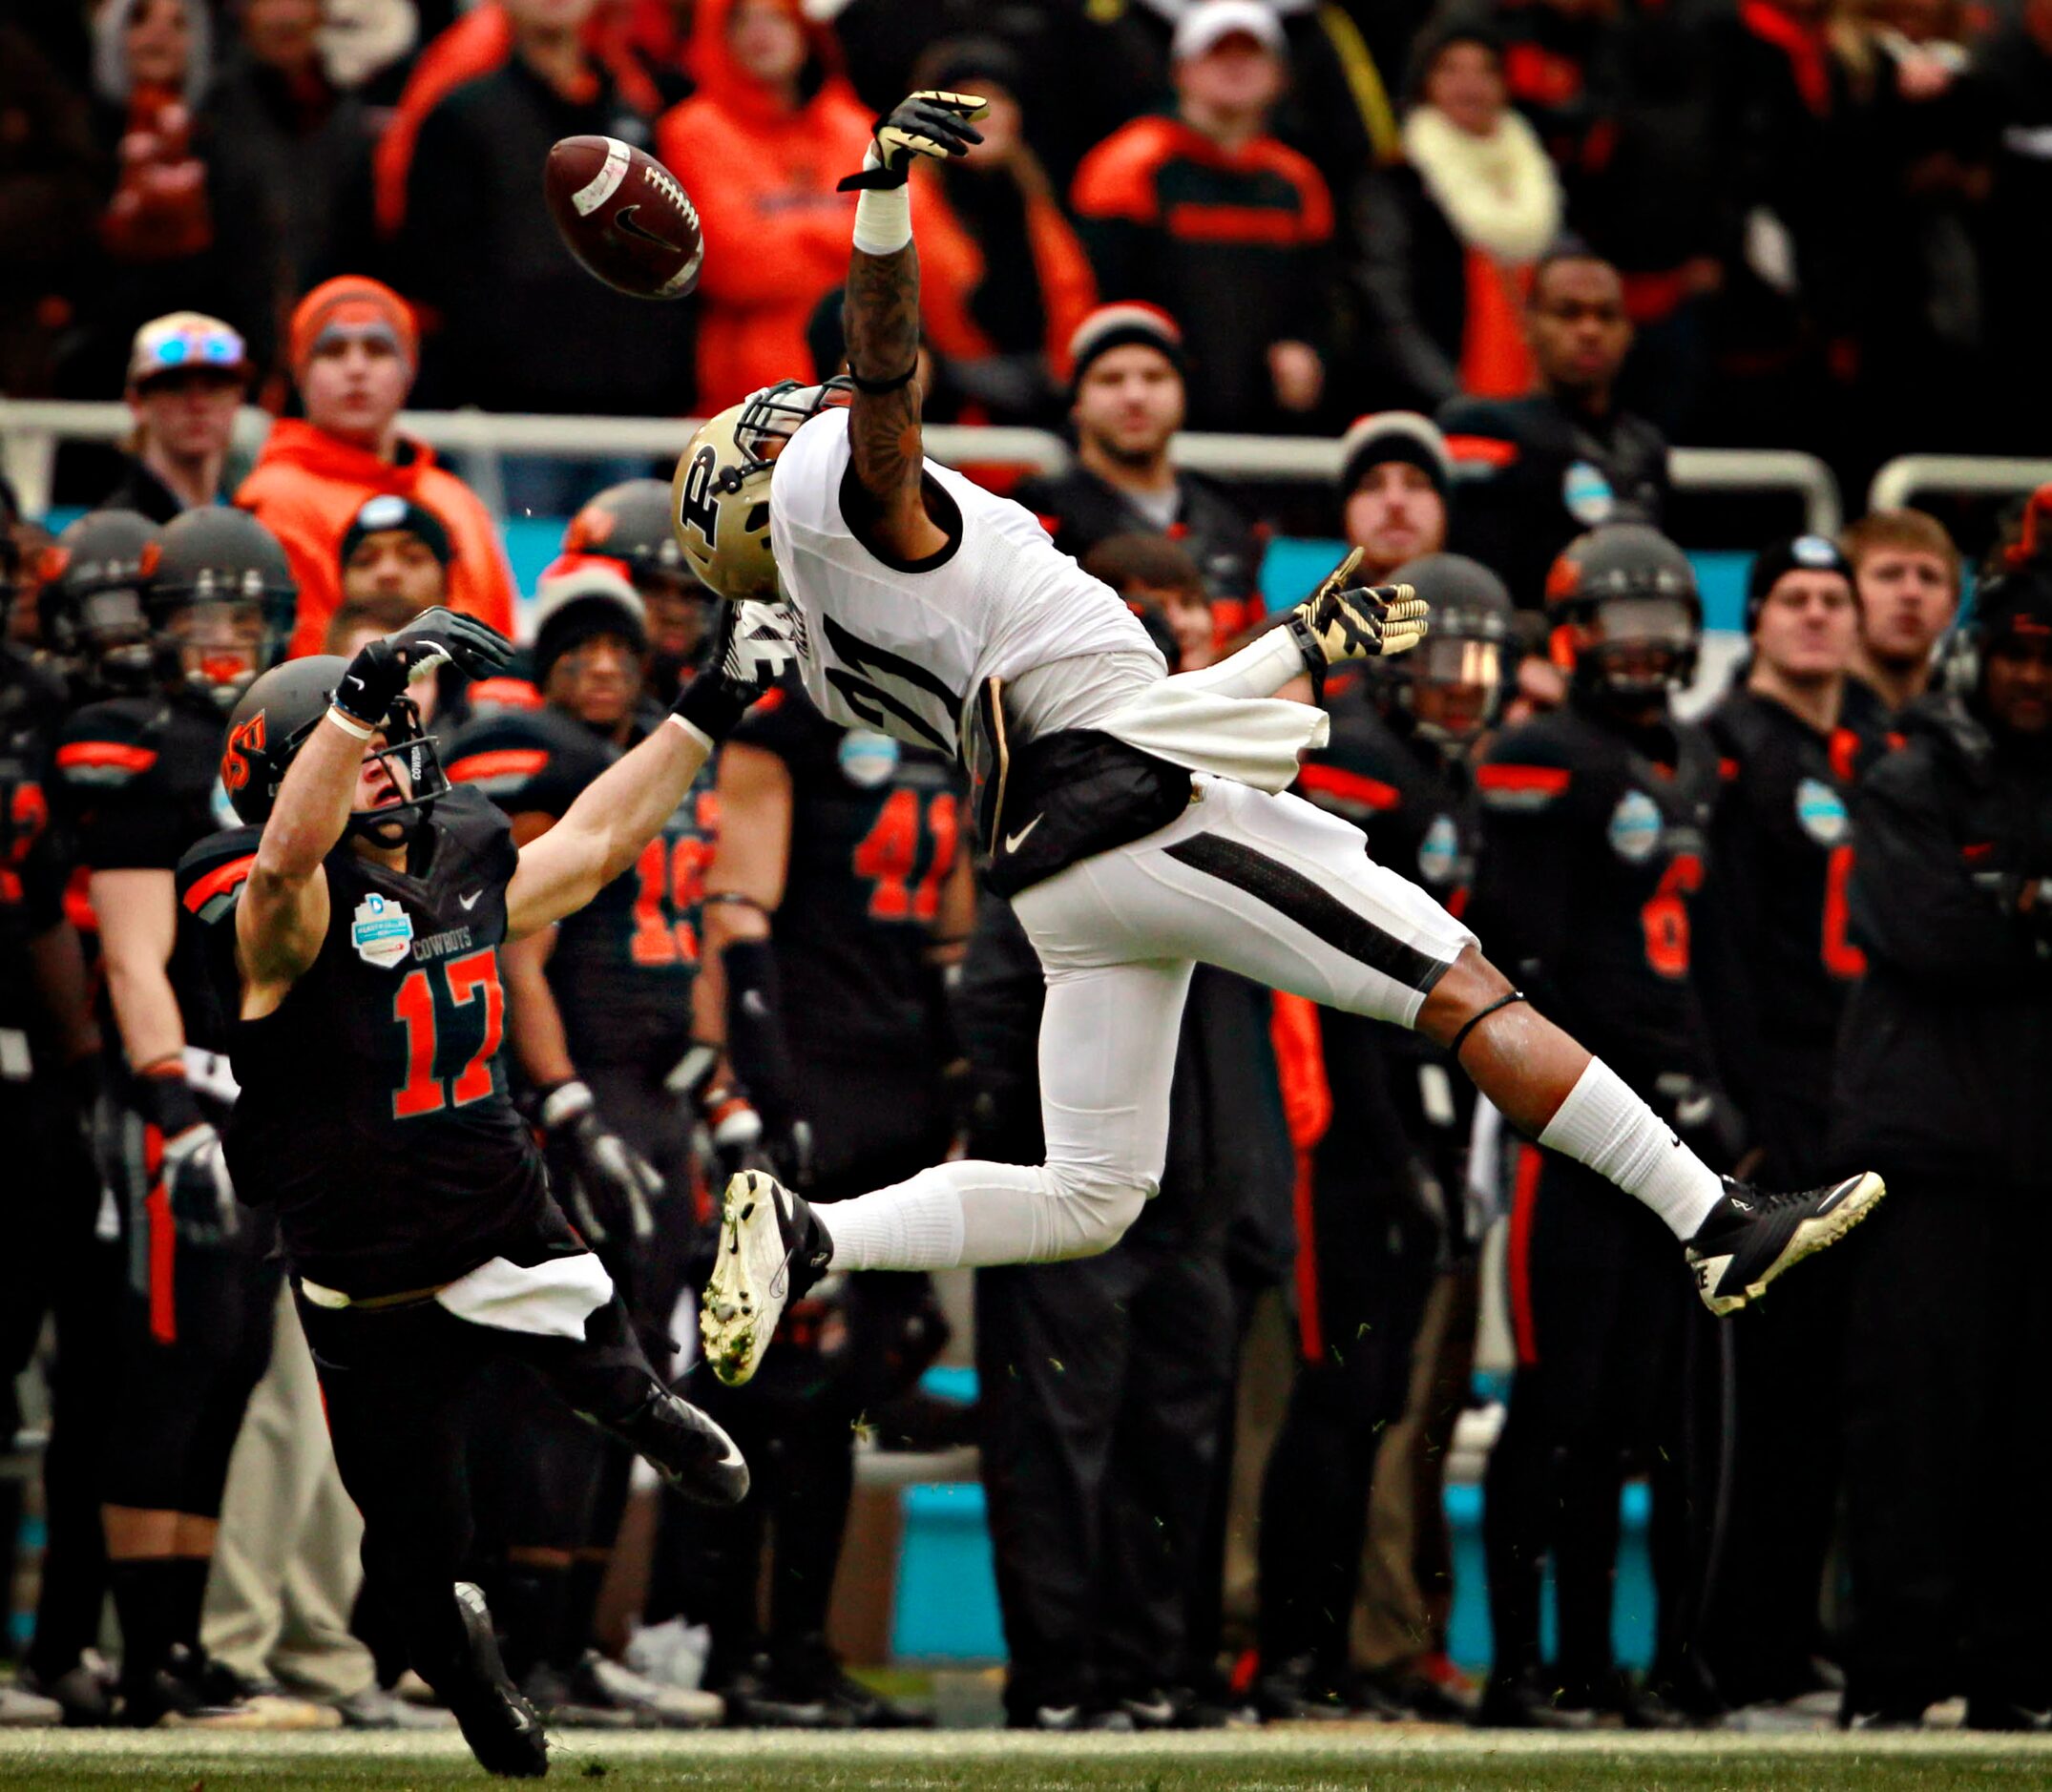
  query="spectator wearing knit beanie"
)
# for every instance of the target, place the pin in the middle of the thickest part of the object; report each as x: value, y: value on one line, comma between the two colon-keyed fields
x: 1124, y: 365
x: 1395, y: 475
x: 354, y: 350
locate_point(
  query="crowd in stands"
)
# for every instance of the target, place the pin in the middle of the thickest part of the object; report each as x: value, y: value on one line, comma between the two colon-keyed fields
x: 1812, y: 203
x: 1503, y: 255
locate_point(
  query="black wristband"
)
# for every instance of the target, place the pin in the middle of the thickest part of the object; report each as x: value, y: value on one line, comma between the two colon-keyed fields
x: 876, y: 388
x: 711, y: 705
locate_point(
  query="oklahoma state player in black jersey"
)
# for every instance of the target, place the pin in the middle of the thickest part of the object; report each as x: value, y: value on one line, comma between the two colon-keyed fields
x: 1783, y: 845
x: 840, y: 881
x: 353, y: 931
x: 1595, y: 843
x: 1381, y: 1211
x: 48, y: 1051
x: 599, y: 1012
x: 212, y: 596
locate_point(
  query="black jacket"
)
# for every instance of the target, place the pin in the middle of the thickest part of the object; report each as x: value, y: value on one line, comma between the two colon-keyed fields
x: 1591, y: 888
x: 1945, y: 1064
x: 1079, y: 510
x: 1546, y: 472
x: 1783, y: 961
x: 523, y: 327
x: 1410, y: 278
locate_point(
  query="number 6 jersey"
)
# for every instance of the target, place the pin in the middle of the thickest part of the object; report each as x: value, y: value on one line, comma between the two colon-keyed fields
x: 374, y: 1113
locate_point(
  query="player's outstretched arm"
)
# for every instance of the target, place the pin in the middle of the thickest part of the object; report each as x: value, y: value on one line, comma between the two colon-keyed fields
x: 882, y: 314
x: 622, y: 809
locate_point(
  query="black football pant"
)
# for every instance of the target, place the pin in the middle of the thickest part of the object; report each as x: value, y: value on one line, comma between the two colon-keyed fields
x: 1762, y: 1619
x: 55, y: 1267
x: 1368, y: 1260
x: 1105, y: 1384
x: 544, y: 1479
x: 1600, y: 1314
x: 401, y: 1386
x: 1949, y: 1447
x: 794, y: 1422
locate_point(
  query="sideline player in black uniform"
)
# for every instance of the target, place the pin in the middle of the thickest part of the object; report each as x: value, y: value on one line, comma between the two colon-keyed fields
x: 599, y: 1009
x: 139, y: 774
x: 1782, y: 847
x: 1383, y: 1209
x: 629, y: 524
x: 48, y: 1052
x: 840, y: 887
x: 354, y: 928
x: 1595, y: 836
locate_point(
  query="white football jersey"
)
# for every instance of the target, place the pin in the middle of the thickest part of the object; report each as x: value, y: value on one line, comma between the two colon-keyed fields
x: 900, y: 648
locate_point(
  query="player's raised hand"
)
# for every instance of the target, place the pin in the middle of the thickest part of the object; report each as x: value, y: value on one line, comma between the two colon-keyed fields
x: 1342, y: 620
x: 383, y: 668
x: 927, y: 123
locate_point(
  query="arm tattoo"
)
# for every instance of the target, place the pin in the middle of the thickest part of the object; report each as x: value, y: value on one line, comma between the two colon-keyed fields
x: 882, y: 319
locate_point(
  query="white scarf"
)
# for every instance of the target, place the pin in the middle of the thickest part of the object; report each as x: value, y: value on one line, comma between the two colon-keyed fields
x: 1500, y: 192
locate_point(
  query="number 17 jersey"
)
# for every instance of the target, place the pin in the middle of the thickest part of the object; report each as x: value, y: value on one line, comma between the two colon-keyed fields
x: 374, y: 1112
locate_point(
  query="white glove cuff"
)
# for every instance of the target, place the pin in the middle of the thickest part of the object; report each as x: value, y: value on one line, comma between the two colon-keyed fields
x: 565, y: 1102
x: 882, y: 216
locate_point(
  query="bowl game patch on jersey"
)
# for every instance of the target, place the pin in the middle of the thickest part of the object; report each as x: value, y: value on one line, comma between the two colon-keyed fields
x: 381, y: 931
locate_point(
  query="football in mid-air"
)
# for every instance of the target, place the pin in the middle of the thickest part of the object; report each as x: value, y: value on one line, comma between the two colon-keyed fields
x: 624, y: 215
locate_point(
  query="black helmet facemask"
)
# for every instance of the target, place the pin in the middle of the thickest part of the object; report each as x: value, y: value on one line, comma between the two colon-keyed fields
x: 410, y: 751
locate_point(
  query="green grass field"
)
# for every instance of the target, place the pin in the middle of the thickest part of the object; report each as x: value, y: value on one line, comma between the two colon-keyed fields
x: 1374, y: 1759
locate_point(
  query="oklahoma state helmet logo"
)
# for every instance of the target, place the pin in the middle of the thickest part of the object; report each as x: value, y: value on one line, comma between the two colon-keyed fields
x: 245, y: 740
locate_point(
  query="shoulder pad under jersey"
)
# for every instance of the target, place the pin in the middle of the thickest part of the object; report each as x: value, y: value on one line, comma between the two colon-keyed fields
x: 210, y: 875
x: 525, y: 760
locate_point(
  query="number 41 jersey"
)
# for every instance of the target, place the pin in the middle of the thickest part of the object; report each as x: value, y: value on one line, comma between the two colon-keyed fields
x: 374, y: 1112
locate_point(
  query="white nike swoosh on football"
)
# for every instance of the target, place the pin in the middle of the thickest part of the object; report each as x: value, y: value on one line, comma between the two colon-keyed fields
x: 1831, y: 1199
x: 469, y: 901
x: 1013, y: 841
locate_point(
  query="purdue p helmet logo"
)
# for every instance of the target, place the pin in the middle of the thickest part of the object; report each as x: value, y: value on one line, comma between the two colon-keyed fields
x: 695, y: 506
x: 720, y: 512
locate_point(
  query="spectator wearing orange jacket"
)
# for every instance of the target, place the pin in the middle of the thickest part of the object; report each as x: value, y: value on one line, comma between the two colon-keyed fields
x: 354, y: 350
x: 759, y: 147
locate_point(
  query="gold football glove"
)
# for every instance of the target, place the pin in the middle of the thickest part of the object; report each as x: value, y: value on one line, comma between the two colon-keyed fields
x: 929, y: 123
x: 1342, y: 620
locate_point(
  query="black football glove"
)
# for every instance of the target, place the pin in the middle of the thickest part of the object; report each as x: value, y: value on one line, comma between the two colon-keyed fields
x: 927, y: 123
x: 611, y: 1184
x: 1342, y: 620
x: 383, y: 668
x: 192, y: 1172
x: 751, y: 644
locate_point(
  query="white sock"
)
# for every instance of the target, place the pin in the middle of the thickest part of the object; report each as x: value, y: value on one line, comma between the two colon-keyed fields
x: 1603, y: 1124
x: 972, y: 1214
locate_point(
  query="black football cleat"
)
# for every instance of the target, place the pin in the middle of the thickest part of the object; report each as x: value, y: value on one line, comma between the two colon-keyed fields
x: 1752, y: 1235
x: 692, y: 1454
x: 1528, y: 1702
x: 503, y: 1729
x: 772, y: 1249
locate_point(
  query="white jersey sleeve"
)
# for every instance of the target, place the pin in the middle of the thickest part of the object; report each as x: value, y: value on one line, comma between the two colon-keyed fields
x: 903, y: 646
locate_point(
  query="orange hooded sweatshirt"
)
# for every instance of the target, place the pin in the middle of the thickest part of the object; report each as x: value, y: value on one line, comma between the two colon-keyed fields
x: 306, y: 488
x: 763, y: 179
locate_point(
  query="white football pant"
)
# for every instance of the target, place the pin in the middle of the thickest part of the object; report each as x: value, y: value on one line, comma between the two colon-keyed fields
x: 1265, y: 886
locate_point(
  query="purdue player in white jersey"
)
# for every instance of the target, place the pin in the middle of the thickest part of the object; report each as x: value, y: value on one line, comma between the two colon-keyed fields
x: 1135, y: 820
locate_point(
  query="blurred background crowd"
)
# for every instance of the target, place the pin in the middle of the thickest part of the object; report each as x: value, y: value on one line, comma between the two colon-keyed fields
x: 1366, y: 1363
x: 1822, y: 211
